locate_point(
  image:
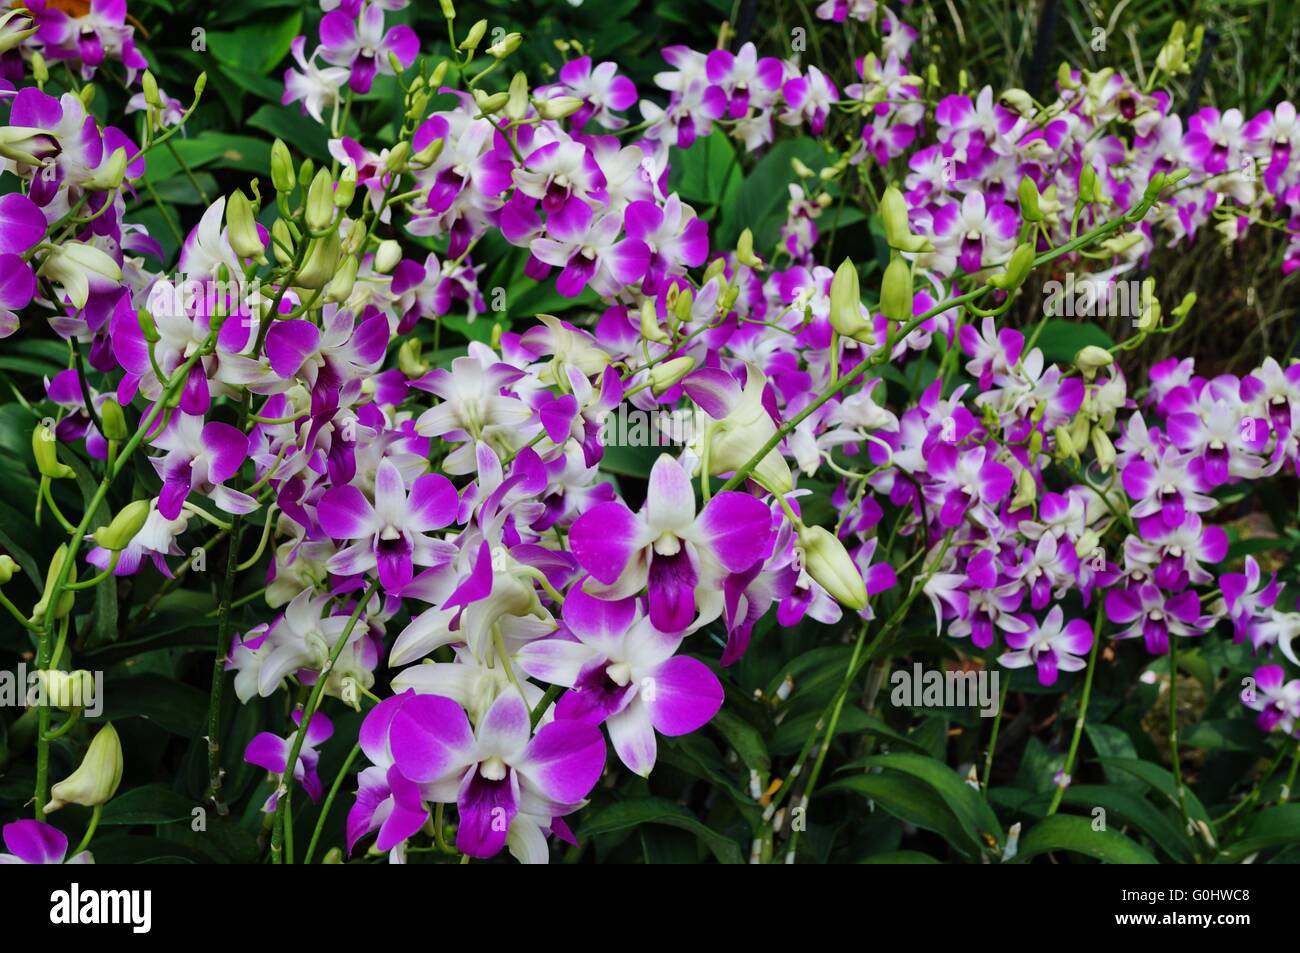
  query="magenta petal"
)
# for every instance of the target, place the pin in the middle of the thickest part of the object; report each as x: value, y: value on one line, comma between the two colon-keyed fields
x: 227, y: 448
x: 268, y: 751
x: 486, y: 809
x: 429, y: 737
x: 288, y: 343
x: 35, y: 842
x: 603, y: 540
x: 17, y: 283
x: 565, y: 759
x: 22, y: 224
x: 738, y: 527
x: 344, y: 513
x: 432, y: 503
x: 595, y: 620
x: 682, y: 696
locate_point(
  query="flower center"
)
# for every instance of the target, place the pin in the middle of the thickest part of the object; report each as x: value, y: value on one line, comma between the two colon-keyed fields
x: 493, y: 769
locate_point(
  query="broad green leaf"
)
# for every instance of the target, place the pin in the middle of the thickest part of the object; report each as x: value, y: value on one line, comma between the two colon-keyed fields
x: 912, y: 801
x: 963, y: 800
x: 651, y: 810
x: 1076, y: 834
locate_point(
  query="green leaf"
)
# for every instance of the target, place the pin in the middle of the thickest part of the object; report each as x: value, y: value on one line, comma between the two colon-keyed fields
x: 912, y: 801
x: 1271, y: 827
x: 152, y: 804
x: 177, y: 708
x: 1123, y: 807
x: 963, y: 800
x: 1226, y: 734
x: 652, y: 810
x: 744, y: 738
x: 901, y: 857
x: 1061, y: 339
x: 1160, y: 780
x: 1076, y: 834
x: 257, y: 47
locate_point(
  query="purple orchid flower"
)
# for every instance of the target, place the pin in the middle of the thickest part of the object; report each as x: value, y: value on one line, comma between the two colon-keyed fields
x: 499, y: 769
x: 1276, y: 699
x: 387, y: 801
x: 200, y: 457
x: 35, y: 842
x: 623, y: 673
x: 390, y: 533
x: 667, y: 547
x: 364, y: 47
x: 1052, y: 646
x: 271, y: 752
x: 966, y: 480
x: 1154, y: 616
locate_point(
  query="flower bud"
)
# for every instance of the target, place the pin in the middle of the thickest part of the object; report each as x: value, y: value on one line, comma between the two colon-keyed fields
x: 1091, y: 359
x: 1018, y: 101
x: 7, y: 569
x: 473, y: 37
x: 506, y: 45
x: 800, y: 169
x: 28, y: 145
x: 320, y: 202
x: 896, y: 290
x: 340, y: 286
x: 96, y: 780
x: 1018, y: 267
x: 1103, y: 448
x: 282, y: 241
x: 408, y: 359
x: 561, y: 107
x: 66, y: 690
x: 448, y: 9
x: 1088, y: 193
x: 346, y: 188
x: 282, y: 176
x: 830, y: 564
x: 110, y: 174
x: 129, y: 520
x: 1065, y: 448
x: 45, y: 448
x: 151, y: 94
x: 489, y: 103
x: 40, y: 70
x: 305, y: 173
x: 397, y: 159
x: 745, y: 251
x: 1026, y: 490
x: 147, y: 328
x: 428, y: 155
x: 898, y: 231
x: 846, y: 305
x: 650, y: 327
x: 241, y: 228
x: 387, y: 256
x: 321, y: 262
x: 1028, y: 195
x: 745, y: 429
x: 665, y: 375
x: 66, y: 598
x: 517, y: 105
x: 72, y: 264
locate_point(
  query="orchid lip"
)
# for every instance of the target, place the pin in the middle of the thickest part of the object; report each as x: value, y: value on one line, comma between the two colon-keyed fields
x: 493, y: 769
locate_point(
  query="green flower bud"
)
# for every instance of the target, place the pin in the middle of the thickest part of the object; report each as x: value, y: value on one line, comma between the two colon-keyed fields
x: 151, y: 94
x: 561, y: 107
x: 347, y: 187
x: 490, y: 103
x: 66, y: 599
x: 506, y: 45
x: 241, y: 227
x: 108, y: 176
x: 408, y: 359
x: 1019, y: 265
x: 1103, y: 448
x: 282, y: 241
x: 448, y: 9
x: 147, y: 327
x: 438, y: 75
x: 387, y: 256
x: 745, y: 251
x: 45, y: 448
x: 828, y: 562
x: 398, y: 156
x: 898, y: 231
x: 1028, y: 194
x: 896, y: 290
x: 340, y: 286
x: 1091, y: 359
x: 473, y: 37
x: 650, y: 327
x: 320, y: 202
x: 7, y: 569
x: 98, y: 777
x: 68, y: 691
x: 117, y: 535
x: 321, y: 262
x: 305, y: 173
x: 846, y: 305
x: 665, y: 375
x: 282, y: 176
x: 114, y: 421
x: 517, y: 104
x: 40, y: 71
x: 428, y: 155
x: 1065, y: 448
x: 1026, y: 490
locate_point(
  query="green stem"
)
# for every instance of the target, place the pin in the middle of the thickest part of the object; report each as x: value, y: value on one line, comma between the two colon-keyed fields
x: 1083, y: 712
x: 329, y: 801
